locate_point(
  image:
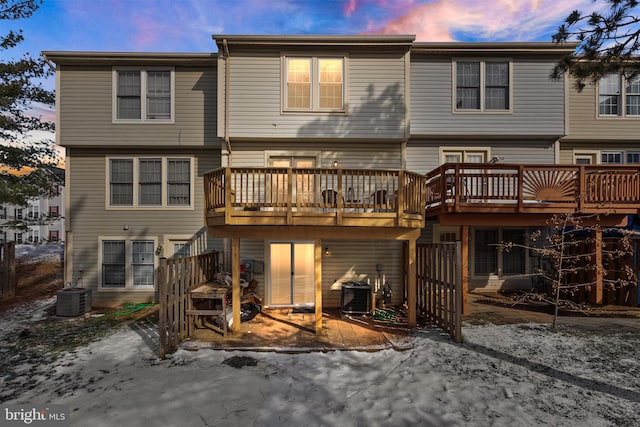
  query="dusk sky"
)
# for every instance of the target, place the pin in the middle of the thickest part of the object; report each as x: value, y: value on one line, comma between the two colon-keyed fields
x: 187, y: 25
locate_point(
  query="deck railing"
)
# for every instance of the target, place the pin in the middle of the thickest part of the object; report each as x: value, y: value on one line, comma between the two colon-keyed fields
x: 529, y: 188
x: 300, y: 190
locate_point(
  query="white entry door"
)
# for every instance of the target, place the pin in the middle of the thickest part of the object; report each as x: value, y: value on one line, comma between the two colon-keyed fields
x: 291, y: 273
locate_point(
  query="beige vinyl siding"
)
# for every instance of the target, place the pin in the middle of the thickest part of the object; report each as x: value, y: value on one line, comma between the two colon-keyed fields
x: 375, y: 99
x: 537, y: 100
x: 362, y: 257
x: 348, y: 155
x: 568, y: 148
x: 584, y: 123
x: 88, y: 218
x: 86, y: 116
x: 424, y: 155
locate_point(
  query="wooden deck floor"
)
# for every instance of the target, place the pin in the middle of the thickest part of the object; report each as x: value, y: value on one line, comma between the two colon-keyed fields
x: 284, y: 330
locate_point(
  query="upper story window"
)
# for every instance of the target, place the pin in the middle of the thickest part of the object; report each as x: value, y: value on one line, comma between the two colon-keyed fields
x: 619, y: 96
x: 314, y: 84
x: 483, y: 85
x: 3, y: 212
x: 143, y: 95
x: 54, y: 211
x: 150, y: 182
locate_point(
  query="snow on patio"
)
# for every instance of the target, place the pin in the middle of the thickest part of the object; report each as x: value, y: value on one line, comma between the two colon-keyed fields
x: 510, y: 375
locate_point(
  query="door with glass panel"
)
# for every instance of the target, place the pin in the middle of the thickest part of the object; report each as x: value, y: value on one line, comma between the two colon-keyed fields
x: 291, y: 273
x: 304, y: 187
x: 473, y: 183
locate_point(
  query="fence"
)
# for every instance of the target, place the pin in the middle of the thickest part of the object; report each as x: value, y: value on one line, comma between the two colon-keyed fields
x: 8, y: 280
x: 176, y: 278
x: 440, y: 286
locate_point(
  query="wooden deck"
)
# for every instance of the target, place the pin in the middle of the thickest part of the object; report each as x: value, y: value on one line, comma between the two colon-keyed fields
x: 282, y: 330
x: 314, y: 197
x: 469, y: 188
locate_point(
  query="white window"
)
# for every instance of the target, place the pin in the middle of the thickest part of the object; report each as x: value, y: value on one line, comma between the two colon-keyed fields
x: 33, y: 236
x: 181, y: 249
x: 611, y: 158
x: 464, y: 155
x: 54, y: 235
x: 150, y: 182
x: 314, y: 83
x: 143, y: 95
x: 3, y: 212
x: 3, y: 237
x: 619, y: 96
x: 633, y: 157
x: 18, y: 213
x: 127, y: 263
x: 33, y: 212
x: 18, y: 237
x: 482, y: 85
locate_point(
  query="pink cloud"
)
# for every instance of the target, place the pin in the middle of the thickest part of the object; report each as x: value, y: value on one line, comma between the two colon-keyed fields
x: 439, y: 20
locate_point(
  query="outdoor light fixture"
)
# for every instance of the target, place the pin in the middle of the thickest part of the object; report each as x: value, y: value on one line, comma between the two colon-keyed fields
x: 335, y: 163
x: 125, y: 227
x: 327, y: 252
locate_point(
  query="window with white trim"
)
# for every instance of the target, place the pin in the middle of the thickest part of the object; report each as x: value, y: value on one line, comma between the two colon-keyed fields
x: 18, y: 238
x: 633, y: 157
x: 3, y: 212
x: 18, y: 213
x: 314, y: 83
x: 150, y: 182
x: 127, y: 264
x: 143, y: 94
x: 54, y: 235
x: 611, y: 157
x: 33, y: 235
x: 619, y: 96
x: 482, y: 85
x: 33, y: 212
x: 3, y: 237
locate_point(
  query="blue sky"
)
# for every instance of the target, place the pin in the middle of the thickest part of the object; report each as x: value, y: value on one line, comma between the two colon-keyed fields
x: 187, y: 25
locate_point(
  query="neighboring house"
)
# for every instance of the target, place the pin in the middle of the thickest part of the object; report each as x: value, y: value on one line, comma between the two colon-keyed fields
x: 139, y: 132
x: 481, y: 103
x: 40, y: 221
x: 603, y: 122
x: 307, y: 155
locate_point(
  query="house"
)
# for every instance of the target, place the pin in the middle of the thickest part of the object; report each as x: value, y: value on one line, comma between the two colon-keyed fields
x: 40, y: 221
x: 308, y: 162
x: 139, y: 132
x: 486, y: 103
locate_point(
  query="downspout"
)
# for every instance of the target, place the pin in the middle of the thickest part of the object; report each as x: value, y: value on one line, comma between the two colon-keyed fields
x: 227, y: 244
x: 226, y: 100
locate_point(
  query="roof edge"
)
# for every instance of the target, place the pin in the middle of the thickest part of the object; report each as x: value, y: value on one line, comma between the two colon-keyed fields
x: 72, y: 57
x: 318, y: 40
x: 485, y: 47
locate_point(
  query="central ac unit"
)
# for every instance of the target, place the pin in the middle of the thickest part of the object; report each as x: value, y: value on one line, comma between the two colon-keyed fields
x: 73, y: 302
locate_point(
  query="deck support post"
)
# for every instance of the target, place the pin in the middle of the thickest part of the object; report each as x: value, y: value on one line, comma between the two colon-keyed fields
x: 318, y: 275
x: 464, y: 267
x: 599, y: 269
x: 412, y: 282
x: 235, y: 284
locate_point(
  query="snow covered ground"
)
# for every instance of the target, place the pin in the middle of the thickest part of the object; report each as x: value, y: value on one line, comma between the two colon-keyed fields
x: 511, y: 375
